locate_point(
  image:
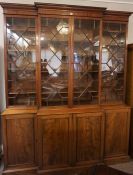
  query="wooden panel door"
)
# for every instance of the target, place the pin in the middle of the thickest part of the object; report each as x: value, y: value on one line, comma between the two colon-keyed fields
x: 53, y: 141
x: 19, y: 140
x: 88, y: 137
x: 116, y: 133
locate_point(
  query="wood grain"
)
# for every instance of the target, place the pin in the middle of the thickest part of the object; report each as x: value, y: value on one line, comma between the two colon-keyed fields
x: 20, y: 140
x: 88, y: 137
x: 54, y: 141
x: 129, y: 92
x: 60, y: 138
x: 116, y: 133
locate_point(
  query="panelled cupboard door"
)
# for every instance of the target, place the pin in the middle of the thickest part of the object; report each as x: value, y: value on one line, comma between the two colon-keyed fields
x: 53, y: 143
x: 88, y: 137
x: 116, y: 132
x: 19, y: 140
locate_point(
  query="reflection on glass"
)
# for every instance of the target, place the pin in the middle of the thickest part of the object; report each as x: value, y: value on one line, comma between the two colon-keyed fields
x: 54, y: 61
x: 113, y: 55
x: 21, y: 57
x: 62, y: 27
x: 86, y: 61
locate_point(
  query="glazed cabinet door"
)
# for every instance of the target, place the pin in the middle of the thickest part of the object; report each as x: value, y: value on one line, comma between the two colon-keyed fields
x: 86, y: 46
x: 19, y: 140
x: 53, y: 141
x: 88, y: 137
x: 21, y: 60
x: 113, y: 62
x: 116, y: 133
x: 55, y: 58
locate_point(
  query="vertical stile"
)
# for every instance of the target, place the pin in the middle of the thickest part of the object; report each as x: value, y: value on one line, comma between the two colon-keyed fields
x: 39, y: 60
x: 125, y: 64
x: 71, y: 63
x: 6, y: 61
x: 100, y: 61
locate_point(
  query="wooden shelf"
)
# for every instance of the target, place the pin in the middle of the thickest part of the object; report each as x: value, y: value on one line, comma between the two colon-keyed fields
x: 24, y: 50
x: 57, y: 72
x: 21, y: 93
x: 21, y: 28
x: 89, y: 71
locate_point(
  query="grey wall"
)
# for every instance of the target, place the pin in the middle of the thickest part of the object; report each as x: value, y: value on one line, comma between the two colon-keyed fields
x: 120, y: 5
x: 2, y: 82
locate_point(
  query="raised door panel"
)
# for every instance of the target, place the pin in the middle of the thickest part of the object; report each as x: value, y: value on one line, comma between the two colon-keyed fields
x: 20, y: 140
x: 89, y: 135
x: 54, y: 141
x: 116, y: 133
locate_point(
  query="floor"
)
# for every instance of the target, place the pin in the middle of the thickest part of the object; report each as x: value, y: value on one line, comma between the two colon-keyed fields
x: 1, y: 168
x: 125, y: 167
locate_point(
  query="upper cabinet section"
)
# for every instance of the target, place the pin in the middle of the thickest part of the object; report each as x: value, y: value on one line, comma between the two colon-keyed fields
x: 64, y: 55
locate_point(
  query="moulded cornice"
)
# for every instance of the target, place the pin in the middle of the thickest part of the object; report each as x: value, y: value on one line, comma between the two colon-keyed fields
x: 11, y: 8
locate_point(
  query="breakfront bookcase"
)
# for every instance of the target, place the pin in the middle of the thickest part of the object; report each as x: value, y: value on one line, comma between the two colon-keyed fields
x: 65, y: 69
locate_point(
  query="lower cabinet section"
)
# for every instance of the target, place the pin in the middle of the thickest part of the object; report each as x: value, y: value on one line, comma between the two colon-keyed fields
x: 117, y: 123
x: 54, y: 141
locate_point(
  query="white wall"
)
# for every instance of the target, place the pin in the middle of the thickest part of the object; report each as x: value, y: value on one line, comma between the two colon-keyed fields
x: 2, y: 82
x: 120, y: 5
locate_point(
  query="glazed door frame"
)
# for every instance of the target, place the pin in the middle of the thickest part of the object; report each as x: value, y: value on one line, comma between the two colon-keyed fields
x: 69, y: 55
x: 89, y: 19
x: 6, y: 55
x: 114, y: 21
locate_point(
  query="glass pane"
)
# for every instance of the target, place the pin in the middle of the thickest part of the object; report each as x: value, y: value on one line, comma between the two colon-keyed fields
x: 113, y: 55
x: 86, y: 61
x: 54, y: 61
x: 21, y: 58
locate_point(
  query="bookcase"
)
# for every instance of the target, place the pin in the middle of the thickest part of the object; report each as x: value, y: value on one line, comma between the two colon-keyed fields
x: 65, y: 69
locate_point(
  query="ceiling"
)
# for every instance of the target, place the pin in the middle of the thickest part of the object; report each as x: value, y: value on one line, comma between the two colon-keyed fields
x: 115, y: 1
x: 121, y: 5
x: 128, y: 2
